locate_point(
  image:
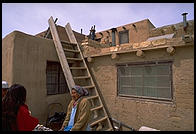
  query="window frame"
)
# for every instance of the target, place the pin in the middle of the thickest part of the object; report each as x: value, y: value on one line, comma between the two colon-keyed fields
x: 57, y: 75
x: 154, y: 63
x: 120, y: 36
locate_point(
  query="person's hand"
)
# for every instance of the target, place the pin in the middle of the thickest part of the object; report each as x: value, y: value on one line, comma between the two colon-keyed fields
x: 61, y: 129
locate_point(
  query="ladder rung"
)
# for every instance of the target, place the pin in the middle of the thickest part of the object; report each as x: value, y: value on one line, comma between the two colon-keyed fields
x: 69, y: 43
x: 88, y: 86
x: 92, y: 97
x: 100, y: 120
x: 76, y: 59
x: 96, y: 108
x: 77, y: 67
x: 81, y: 77
x: 71, y: 50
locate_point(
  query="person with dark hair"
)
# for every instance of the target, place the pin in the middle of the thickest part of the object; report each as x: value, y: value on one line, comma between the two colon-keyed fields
x: 15, y: 113
x: 78, y: 112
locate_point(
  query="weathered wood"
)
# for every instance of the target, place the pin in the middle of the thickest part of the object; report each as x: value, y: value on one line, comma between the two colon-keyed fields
x: 89, y: 59
x: 140, y: 53
x: 48, y: 30
x: 61, y: 54
x: 171, y: 50
x: 114, y: 56
x: 96, y: 122
x: 70, y: 34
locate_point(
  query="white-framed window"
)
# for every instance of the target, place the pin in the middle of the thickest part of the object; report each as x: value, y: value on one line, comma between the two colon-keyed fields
x: 145, y: 79
x: 55, y: 80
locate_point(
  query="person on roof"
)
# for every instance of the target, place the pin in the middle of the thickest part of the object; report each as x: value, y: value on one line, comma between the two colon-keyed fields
x: 78, y: 112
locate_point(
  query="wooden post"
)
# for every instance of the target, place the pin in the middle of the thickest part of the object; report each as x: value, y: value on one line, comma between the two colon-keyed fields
x: 117, y: 39
x: 171, y: 50
x: 114, y: 56
x: 140, y: 53
x: 89, y: 59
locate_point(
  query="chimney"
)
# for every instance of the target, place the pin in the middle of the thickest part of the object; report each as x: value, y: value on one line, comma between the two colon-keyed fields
x: 184, y: 21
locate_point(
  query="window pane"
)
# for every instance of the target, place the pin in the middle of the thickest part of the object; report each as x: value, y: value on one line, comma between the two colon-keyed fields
x: 163, y: 81
x: 149, y: 81
x: 136, y: 81
x: 150, y: 70
x: 55, y: 80
x: 52, y: 88
x: 63, y: 88
x: 152, y: 80
x: 163, y: 93
x: 136, y: 70
x: 124, y: 37
x: 51, y: 78
x: 163, y: 70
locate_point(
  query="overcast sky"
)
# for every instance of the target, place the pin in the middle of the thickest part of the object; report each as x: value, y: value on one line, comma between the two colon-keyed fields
x: 32, y: 18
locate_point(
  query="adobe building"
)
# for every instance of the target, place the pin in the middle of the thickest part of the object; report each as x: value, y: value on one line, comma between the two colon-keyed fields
x: 145, y: 74
x: 26, y: 60
x: 148, y: 82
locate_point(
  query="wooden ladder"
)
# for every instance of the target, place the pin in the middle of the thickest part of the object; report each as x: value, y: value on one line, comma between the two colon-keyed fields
x: 76, y: 72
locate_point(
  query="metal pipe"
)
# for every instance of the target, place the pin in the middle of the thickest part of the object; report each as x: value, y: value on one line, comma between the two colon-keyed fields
x: 113, y: 36
x: 184, y: 20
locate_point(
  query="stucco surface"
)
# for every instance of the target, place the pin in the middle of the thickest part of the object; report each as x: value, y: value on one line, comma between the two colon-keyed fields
x: 177, y: 114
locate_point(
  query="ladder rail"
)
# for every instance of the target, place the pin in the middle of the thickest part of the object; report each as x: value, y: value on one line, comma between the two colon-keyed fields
x: 61, y: 55
x: 73, y: 40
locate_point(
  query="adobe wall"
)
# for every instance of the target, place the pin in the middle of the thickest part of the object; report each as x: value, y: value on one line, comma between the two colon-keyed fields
x: 25, y: 63
x: 7, y: 58
x: 63, y: 34
x: 138, y: 33
x: 135, y: 112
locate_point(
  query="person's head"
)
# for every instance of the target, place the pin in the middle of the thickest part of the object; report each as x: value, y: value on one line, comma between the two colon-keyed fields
x: 16, y: 94
x: 5, y: 88
x: 15, y: 97
x: 77, y: 92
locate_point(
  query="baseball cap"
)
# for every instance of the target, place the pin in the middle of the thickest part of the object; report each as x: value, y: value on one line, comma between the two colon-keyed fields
x: 5, y: 84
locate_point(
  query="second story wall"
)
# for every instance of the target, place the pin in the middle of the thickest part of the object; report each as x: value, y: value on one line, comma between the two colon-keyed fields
x: 130, y: 33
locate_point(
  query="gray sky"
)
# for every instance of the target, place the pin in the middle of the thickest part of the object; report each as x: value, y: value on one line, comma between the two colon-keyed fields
x: 32, y: 18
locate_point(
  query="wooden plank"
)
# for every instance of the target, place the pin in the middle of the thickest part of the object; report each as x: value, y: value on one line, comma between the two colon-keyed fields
x: 77, y: 68
x: 81, y: 77
x: 70, y: 34
x: 100, y: 120
x: 92, y: 97
x: 96, y: 108
x: 75, y: 59
x: 68, y: 43
x: 88, y: 87
x: 70, y: 50
x: 61, y: 54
